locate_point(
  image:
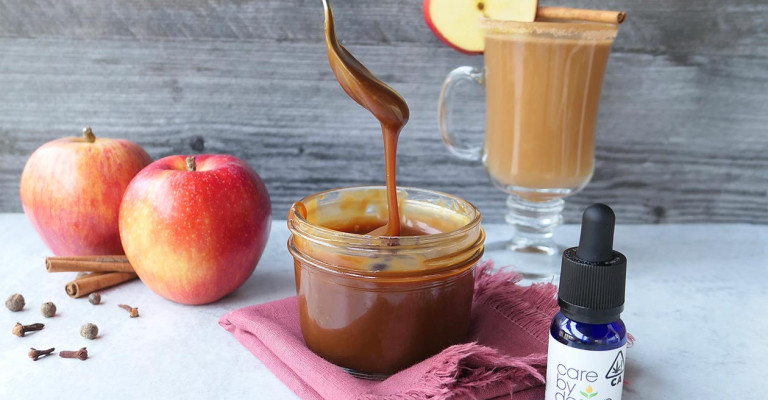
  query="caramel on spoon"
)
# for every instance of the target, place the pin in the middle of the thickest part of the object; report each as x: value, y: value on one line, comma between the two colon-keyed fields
x: 381, y: 100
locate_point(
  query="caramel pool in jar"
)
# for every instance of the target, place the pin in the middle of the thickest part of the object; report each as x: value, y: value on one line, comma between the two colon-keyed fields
x: 376, y: 304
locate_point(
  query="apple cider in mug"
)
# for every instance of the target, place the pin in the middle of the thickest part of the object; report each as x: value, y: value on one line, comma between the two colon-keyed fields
x: 542, y: 107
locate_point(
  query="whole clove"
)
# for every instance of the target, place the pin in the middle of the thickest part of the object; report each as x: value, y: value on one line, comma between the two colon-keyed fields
x: 82, y: 354
x: 21, y: 330
x: 35, y: 354
x: 133, y: 310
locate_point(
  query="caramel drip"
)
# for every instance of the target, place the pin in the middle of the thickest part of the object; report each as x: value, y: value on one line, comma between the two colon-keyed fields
x: 381, y: 100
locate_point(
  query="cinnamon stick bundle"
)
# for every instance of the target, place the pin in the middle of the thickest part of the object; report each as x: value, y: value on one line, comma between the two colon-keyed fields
x: 88, y: 264
x: 97, y: 281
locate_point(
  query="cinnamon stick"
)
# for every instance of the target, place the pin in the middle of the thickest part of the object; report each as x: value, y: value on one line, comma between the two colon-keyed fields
x: 88, y: 264
x: 83, y: 275
x: 580, y: 14
x: 98, y: 281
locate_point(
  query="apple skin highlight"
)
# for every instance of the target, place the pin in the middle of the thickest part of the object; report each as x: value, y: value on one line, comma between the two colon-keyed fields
x: 71, y: 191
x: 195, y: 236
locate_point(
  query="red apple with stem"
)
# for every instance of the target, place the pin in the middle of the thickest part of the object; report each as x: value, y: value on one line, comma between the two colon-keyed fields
x: 194, y: 228
x: 71, y: 190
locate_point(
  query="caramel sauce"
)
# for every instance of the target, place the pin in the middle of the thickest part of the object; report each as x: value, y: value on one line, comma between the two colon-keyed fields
x: 381, y: 100
x: 386, y: 329
x: 363, y: 226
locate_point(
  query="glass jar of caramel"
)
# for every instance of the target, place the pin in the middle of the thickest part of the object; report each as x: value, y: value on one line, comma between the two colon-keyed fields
x: 377, y: 304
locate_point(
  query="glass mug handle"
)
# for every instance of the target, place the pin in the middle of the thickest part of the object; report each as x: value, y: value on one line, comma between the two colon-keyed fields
x: 452, y: 140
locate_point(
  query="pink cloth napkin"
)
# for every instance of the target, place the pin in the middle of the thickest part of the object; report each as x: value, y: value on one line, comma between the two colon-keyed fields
x: 505, y: 354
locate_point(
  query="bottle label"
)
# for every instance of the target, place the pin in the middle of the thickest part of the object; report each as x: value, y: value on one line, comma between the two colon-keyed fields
x: 577, y: 374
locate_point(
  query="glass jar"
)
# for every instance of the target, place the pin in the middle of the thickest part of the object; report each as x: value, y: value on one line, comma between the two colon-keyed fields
x: 375, y: 305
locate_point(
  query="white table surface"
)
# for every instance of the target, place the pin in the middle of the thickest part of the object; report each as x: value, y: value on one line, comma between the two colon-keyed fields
x: 696, y: 302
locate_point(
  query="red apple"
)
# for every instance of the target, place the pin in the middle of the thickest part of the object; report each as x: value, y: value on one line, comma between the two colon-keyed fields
x: 194, y: 228
x: 457, y: 22
x: 71, y: 190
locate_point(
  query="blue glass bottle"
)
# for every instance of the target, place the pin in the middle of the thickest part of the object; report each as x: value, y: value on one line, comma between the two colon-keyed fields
x: 588, y: 339
x: 582, y: 335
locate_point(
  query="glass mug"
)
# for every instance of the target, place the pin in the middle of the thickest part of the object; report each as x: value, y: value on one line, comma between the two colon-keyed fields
x: 542, y: 82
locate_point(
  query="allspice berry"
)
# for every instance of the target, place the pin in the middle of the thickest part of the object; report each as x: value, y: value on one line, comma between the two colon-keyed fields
x: 48, y: 309
x: 89, y: 331
x: 94, y: 298
x: 15, y: 302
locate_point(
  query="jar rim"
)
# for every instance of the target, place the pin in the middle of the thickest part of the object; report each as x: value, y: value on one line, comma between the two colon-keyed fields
x: 365, y: 241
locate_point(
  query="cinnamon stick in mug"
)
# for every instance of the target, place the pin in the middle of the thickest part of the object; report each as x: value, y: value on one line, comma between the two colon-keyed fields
x: 110, y: 263
x: 97, y: 281
x: 580, y: 14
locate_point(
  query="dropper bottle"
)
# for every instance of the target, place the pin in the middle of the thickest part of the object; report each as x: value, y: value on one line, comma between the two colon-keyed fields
x: 588, y: 339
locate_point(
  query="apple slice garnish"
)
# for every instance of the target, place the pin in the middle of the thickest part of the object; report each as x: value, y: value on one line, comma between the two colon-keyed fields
x: 457, y: 22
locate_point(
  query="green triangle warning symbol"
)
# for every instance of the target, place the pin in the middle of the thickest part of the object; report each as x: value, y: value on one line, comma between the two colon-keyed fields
x: 617, y: 368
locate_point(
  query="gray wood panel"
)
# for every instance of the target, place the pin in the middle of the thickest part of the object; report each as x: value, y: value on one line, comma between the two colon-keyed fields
x: 682, y: 132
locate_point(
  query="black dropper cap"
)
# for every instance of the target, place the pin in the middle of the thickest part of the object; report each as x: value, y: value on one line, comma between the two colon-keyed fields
x: 593, y: 275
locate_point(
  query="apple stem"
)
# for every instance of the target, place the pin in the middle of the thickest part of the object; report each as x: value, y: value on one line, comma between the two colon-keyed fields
x: 191, y: 165
x: 88, y: 135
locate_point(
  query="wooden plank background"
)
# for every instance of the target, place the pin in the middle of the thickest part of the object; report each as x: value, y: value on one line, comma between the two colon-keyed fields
x: 682, y: 136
